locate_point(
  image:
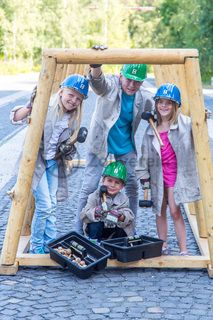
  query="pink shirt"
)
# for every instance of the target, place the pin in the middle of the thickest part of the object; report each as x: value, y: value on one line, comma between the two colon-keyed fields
x: 169, y: 161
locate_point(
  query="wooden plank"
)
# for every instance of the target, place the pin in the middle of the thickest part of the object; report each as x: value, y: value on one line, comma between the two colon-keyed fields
x: 201, y: 142
x: 192, y: 262
x: 201, y: 222
x: 27, y: 164
x: 23, y: 244
x: 27, y: 259
x: 120, y: 56
x: 158, y: 262
x: 201, y: 242
x: 9, y: 270
x: 191, y: 208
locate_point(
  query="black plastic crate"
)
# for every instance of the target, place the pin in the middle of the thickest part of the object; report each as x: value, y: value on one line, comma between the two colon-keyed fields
x: 95, y: 256
x: 128, y: 249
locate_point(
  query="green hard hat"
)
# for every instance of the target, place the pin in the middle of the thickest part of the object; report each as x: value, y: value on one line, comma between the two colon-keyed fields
x: 137, y: 72
x: 117, y: 170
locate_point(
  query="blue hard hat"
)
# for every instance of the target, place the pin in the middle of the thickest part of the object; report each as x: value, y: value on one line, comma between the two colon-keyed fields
x: 168, y: 91
x: 78, y: 83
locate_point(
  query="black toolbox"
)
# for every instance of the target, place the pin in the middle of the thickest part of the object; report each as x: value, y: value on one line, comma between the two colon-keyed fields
x: 94, y: 256
x: 134, y: 248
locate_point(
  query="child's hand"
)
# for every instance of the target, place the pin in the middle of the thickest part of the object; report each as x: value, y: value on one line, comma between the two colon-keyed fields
x: 145, y: 183
x: 118, y: 214
x: 98, y: 212
x: 67, y: 150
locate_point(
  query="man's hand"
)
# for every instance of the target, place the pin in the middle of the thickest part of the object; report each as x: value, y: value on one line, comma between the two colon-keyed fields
x: 147, y: 116
x: 98, y: 47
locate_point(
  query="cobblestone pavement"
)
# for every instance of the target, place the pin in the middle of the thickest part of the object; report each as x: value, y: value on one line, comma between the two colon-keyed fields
x: 38, y: 293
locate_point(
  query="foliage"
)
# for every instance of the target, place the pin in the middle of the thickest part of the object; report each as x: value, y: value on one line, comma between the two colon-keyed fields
x: 187, y: 24
x: 27, y: 27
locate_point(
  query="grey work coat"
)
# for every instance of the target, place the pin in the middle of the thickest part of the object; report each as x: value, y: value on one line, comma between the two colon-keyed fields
x: 186, y: 188
x: 107, y: 111
x: 40, y: 166
x: 120, y: 202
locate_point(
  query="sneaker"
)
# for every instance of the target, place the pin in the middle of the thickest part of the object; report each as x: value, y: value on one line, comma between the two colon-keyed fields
x: 165, y: 251
x: 37, y: 251
x: 183, y: 253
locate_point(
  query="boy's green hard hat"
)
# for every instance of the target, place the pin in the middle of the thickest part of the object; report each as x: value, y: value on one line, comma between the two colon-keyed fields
x: 137, y: 72
x: 117, y: 170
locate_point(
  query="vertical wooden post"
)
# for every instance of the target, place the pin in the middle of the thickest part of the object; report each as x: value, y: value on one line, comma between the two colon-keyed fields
x: 27, y: 165
x: 201, y: 141
x: 26, y: 228
x: 201, y: 222
x: 57, y: 78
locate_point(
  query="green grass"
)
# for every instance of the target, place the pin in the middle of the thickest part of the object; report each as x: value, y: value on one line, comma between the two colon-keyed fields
x: 16, y: 67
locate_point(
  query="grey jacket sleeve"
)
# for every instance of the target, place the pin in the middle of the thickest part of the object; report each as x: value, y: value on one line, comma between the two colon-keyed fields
x: 142, y: 171
x: 101, y: 85
x: 88, y: 212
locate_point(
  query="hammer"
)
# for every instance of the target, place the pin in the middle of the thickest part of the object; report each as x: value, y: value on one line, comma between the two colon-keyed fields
x: 102, y: 193
x: 66, y: 147
x: 148, y: 116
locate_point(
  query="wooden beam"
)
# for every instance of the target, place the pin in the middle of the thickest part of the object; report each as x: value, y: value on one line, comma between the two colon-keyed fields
x: 26, y: 228
x: 192, y: 262
x: 57, y: 78
x: 9, y: 270
x: 201, y: 142
x: 120, y: 56
x: 27, y: 165
x: 27, y: 259
x: 201, y: 242
x: 158, y: 262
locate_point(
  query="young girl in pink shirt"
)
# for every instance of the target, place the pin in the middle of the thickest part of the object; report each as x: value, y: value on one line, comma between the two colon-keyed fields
x: 171, y: 169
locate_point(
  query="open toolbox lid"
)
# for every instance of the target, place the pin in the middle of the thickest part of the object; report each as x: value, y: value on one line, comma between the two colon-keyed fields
x: 133, y: 248
x: 78, y: 254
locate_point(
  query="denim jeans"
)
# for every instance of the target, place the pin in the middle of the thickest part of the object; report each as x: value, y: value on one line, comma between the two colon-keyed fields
x: 43, y: 228
x: 92, y: 176
x: 97, y: 231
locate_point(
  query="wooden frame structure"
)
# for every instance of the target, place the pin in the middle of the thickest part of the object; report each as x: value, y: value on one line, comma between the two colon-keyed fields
x: 180, y: 66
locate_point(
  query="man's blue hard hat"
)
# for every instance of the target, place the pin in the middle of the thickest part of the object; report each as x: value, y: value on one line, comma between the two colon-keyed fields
x: 78, y: 83
x: 168, y: 91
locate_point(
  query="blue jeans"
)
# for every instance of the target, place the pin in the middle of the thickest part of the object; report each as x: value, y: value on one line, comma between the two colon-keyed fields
x: 97, y: 231
x: 43, y: 228
x: 92, y: 176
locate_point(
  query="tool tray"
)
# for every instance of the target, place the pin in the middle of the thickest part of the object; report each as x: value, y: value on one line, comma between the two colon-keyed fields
x: 95, y: 256
x: 141, y: 247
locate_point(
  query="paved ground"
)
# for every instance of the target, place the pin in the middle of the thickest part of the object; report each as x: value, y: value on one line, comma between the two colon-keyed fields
x: 136, y: 294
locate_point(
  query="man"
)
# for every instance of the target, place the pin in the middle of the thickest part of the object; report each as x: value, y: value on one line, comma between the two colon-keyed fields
x: 120, y: 103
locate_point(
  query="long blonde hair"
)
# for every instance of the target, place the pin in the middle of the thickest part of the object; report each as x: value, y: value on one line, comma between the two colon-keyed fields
x: 174, y: 114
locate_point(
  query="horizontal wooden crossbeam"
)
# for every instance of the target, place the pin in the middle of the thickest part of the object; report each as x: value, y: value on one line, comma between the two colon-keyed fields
x: 120, y: 56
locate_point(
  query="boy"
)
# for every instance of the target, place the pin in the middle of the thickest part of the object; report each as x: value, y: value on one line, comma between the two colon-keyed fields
x: 107, y: 212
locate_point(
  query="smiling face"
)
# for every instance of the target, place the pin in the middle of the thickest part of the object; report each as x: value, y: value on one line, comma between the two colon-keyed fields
x: 114, y: 185
x: 165, y: 108
x: 70, y: 99
x: 130, y: 86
